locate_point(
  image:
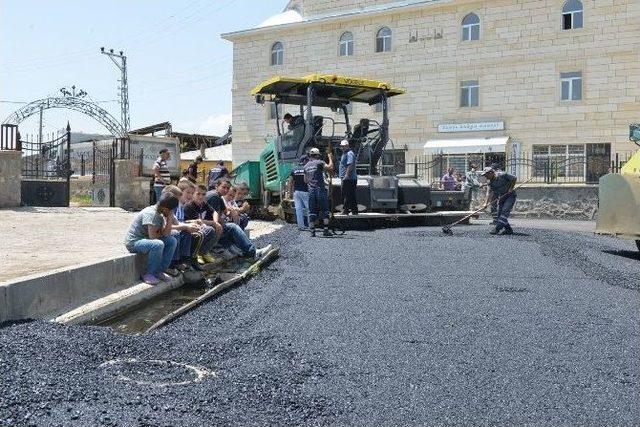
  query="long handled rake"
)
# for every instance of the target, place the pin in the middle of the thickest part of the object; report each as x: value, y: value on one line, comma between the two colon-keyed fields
x: 447, y: 228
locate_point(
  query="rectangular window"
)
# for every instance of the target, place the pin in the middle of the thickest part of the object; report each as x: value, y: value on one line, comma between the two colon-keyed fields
x: 346, y: 48
x: 565, y: 162
x: 571, y: 86
x: 469, y: 93
x: 471, y: 32
x: 572, y: 20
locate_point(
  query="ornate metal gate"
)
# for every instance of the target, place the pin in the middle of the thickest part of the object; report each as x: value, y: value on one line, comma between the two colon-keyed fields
x: 46, y: 170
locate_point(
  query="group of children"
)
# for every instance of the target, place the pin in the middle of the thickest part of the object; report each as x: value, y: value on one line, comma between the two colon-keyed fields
x: 188, y: 225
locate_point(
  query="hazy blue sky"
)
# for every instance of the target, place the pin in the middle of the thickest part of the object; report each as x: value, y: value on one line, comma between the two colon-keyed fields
x: 179, y: 67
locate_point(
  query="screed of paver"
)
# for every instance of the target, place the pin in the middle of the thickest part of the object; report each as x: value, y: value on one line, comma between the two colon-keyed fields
x: 38, y: 240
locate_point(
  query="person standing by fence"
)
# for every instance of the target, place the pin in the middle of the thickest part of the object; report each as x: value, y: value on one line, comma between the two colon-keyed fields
x: 161, y: 174
x: 473, y: 182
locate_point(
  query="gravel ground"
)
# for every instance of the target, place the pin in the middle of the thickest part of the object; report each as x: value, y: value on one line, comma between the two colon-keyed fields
x: 392, y: 327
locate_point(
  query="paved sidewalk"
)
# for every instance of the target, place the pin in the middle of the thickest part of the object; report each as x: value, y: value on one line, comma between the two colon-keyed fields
x: 36, y: 240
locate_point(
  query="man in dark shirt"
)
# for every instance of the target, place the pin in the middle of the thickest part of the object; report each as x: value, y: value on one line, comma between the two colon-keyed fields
x: 220, y: 171
x: 300, y: 191
x: 318, y: 197
x: 192, y: 170
x: 232, y: 234
x: 501, y: 186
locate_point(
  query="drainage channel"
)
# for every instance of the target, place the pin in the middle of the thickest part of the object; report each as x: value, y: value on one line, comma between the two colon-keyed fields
x: 164, y: 308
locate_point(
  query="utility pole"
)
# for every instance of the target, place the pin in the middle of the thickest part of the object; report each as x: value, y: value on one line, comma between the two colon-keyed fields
x: 121, y: 62
x: 40, y: 128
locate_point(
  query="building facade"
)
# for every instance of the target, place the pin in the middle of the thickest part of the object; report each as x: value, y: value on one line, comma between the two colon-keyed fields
x: 485, y: 79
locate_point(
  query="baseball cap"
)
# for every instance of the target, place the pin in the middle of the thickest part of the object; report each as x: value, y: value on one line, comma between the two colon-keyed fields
x: 344, y: 143
x: 304, y: 159
x: 314, y: 151
x: 487, y: 170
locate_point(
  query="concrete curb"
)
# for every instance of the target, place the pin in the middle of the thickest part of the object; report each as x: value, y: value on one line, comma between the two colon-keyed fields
x: 47, y: 294
x: 103, y: 308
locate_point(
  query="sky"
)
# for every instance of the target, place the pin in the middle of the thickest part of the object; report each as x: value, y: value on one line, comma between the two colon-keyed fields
x: 179, y: 69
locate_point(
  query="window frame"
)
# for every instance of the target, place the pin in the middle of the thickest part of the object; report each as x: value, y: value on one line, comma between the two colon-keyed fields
x: 348, y: 44
x: 469, y: 86
x: 279, y: 54
x: 538, y: 160
x: 386, y: 46
x: 570, y: 78
x: 572, y: 14
x: 470, y: 27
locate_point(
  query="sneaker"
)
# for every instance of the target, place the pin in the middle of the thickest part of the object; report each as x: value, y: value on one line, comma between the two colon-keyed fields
x: 262, y: 252
x: 172, y: 272
x: 507, y: 231
x: 495, y: 230
x: 313, y: 232
x: 208, y: 258
x: 164, y: 277
x: 326, y: 232
x: 150, y: 279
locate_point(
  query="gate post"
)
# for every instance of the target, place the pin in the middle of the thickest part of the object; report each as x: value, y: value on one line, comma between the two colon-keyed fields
x: 67, y: 168
x: 10, y: 167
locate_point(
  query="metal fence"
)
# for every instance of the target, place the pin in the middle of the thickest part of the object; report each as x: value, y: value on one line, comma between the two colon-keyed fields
x: 578, y: 169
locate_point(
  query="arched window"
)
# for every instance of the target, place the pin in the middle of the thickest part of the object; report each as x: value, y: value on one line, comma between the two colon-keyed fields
x: 572, y: 15
x: 383, y: 40
x: 277, y: 54
x: 346, y: 44
x: 471, y: 27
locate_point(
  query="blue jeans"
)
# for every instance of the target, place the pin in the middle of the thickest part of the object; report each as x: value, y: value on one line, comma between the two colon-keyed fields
x: 183, y: 249
x: 301, y: 203
x: 244, y: 220
x: 209, y: 238
x: 159, y: 252
x: 232, y: 234
x: 158, y: 190
x: 318, y: 205
x: 504, y: 209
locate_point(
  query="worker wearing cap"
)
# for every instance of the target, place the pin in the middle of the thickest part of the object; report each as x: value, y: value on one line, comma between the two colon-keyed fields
x: 501, y: 190
x: 349, y: 176
x: 298, y: 187
x: 318, y: 197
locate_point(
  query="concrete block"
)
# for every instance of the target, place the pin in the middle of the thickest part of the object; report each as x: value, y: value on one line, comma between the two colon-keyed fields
x: 41, y: 296
x: 10, y: 173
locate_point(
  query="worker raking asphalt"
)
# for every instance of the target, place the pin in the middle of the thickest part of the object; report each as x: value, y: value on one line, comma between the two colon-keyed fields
x: 390, y: 327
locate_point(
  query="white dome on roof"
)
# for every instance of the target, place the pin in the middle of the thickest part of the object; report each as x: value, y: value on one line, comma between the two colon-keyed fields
x: 287, y: 17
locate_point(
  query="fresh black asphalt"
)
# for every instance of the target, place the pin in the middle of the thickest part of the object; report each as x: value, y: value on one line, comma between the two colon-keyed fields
x: 388, y: 327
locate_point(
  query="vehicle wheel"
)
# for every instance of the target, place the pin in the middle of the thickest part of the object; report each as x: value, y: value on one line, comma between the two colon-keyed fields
x: 638, y: 244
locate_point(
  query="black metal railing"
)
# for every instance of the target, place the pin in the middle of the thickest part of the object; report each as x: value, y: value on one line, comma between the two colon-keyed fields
x: 544, y: 169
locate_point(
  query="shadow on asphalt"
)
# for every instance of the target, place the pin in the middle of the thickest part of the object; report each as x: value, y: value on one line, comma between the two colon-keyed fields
x: 626, y: 254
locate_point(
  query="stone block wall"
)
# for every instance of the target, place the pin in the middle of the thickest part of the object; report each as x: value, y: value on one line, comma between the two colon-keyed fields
x: 558, y: 202
x: 518, y: 61
x: 10, y: 178
x: 132, y: 191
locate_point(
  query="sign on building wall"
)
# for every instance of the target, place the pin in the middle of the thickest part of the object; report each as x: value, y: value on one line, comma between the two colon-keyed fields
x: 470, y: 127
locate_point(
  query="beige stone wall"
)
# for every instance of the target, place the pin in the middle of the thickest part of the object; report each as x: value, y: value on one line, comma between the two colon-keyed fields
x: 10, y: 178
x: 518, y: 62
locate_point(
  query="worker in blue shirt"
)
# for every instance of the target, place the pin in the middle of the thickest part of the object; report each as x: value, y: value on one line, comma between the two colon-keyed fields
x: 349, y: 176
x: 298, y: 187
x: 501, y: 190
x: 318, y: 198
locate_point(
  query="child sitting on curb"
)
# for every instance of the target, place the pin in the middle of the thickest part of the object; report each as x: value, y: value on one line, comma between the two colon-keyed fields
x: 150, y: 233
x: 197, y: 212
